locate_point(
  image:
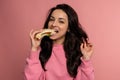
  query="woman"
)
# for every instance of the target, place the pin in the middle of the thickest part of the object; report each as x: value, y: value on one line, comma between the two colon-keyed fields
x: 64, y: 55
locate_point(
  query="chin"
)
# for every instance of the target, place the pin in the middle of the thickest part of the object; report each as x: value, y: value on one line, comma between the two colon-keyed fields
x: 53, y: 38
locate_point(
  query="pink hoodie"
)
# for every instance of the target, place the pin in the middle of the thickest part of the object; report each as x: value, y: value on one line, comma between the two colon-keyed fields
x: 56, y: 67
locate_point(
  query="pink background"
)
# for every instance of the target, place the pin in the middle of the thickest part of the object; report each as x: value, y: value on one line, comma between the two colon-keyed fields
x: 100, y: 18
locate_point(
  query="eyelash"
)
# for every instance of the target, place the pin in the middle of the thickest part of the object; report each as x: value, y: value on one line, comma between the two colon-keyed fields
x: 51, y: 19
x: 59, y: 21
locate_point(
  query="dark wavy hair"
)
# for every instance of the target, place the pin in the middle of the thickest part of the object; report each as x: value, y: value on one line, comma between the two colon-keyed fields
x: 73, y: 39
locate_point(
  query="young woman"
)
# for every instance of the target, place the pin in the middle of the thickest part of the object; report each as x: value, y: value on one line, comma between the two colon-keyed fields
x: 66, y: 54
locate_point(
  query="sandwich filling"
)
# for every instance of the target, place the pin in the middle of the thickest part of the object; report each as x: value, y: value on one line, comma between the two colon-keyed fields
x: 45, y: 32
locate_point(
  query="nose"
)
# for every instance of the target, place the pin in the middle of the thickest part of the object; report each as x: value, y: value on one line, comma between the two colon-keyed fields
x: 54, y: 23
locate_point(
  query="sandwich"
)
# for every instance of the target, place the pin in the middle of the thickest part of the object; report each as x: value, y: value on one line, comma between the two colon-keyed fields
x: 45, y: 32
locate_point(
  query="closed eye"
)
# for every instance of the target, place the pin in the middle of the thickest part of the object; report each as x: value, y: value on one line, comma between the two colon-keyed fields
x: 61, y: 21
x: 51, y: 18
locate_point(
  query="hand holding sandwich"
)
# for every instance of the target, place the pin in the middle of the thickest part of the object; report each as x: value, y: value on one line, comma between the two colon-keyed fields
x: 37, y: 35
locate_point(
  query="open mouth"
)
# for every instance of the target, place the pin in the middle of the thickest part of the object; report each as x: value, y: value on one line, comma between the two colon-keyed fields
x: 56, y: 31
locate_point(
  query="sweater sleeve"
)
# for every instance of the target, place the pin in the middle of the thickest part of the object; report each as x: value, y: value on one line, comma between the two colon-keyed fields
x: 85, y: 71
x: 33, y: 69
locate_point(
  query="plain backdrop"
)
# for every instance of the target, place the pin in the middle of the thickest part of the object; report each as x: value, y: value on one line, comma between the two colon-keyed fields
x: 100, y: 19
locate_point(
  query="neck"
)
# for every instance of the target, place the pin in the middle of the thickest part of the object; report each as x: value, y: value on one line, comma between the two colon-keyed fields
x: 59, y: 41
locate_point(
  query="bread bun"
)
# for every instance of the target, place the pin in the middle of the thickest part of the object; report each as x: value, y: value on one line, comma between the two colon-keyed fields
x: 45, y: 32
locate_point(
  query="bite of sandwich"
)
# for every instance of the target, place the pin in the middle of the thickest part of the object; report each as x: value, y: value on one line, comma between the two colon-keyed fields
x: 45, y: 32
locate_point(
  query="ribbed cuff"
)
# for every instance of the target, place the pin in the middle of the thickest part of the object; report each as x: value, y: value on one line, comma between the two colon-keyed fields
x: 86, y: 63
x: 34, y: 55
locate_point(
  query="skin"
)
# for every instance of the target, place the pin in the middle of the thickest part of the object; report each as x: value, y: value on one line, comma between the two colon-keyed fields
x: 59, y: 21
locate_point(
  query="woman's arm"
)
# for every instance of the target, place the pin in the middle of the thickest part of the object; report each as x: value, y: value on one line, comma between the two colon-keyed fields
x: 33, y: 69
x: 85, y: 71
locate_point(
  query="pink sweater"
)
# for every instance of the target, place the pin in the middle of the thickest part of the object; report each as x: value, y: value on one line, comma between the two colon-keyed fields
x: 56, y: 67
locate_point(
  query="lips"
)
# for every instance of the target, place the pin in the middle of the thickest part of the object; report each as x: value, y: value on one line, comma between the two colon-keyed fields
x: 56, y: 29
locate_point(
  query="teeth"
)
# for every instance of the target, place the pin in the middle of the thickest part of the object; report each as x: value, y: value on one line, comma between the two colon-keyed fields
x: 56, y: 31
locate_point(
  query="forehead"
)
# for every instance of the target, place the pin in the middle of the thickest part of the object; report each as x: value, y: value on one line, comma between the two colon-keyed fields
x: 58, y: 13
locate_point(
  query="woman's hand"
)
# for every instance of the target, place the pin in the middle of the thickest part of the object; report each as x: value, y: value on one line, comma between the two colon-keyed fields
x: 86, y: 49
x: 35, y: 43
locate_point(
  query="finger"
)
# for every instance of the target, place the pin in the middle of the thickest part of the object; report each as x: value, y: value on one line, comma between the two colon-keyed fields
x: 89, y: 45
x: 35, y: 32
x: 82, y: 46
x: 87, y: 40
x: 31, y: 32
x: 83, y: 40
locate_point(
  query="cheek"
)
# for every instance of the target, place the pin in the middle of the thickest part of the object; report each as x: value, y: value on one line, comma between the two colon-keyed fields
x: 64, y: 29
x: 49, y: 25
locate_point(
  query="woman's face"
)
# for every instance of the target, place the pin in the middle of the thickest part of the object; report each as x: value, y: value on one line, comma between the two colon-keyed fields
x: 58, y: 22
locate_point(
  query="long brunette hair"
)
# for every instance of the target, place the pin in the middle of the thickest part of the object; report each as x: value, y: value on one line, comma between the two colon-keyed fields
x: 73, y: 39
